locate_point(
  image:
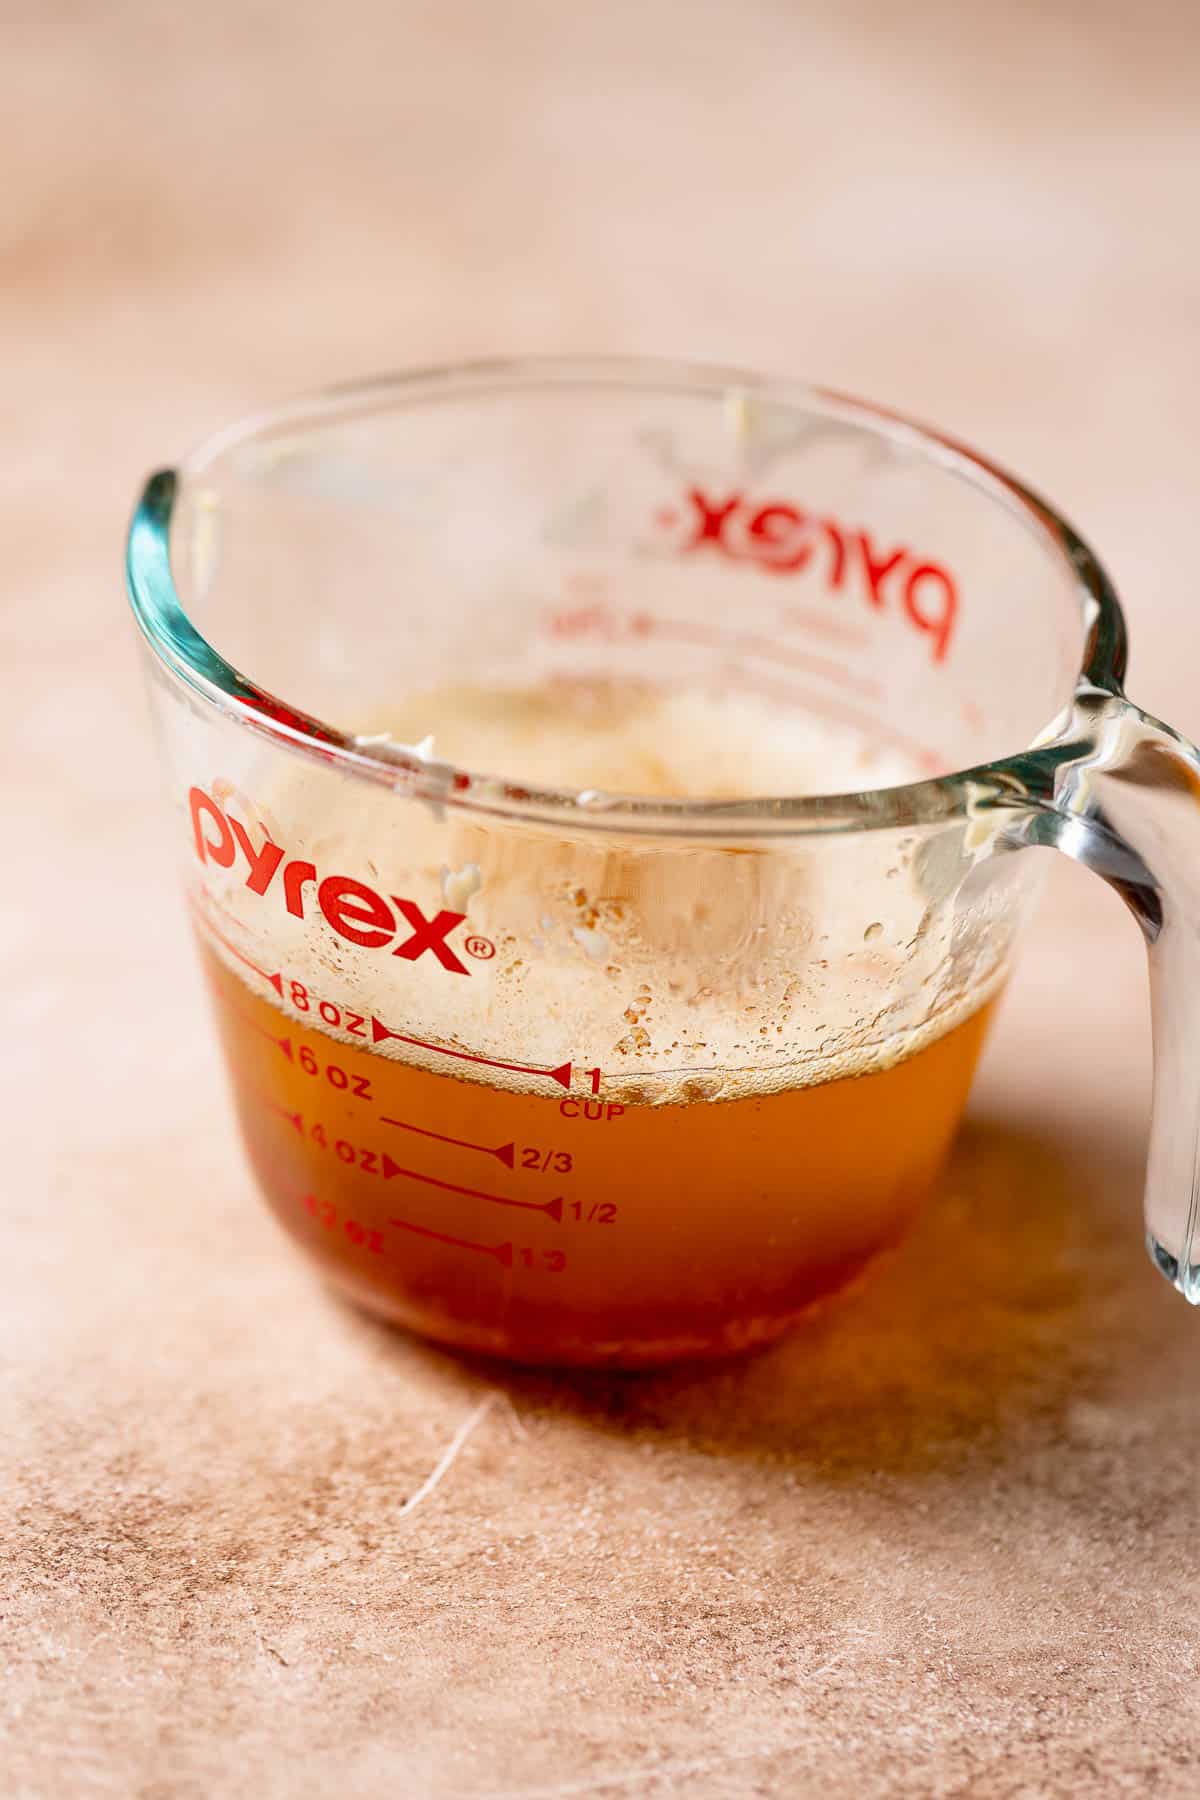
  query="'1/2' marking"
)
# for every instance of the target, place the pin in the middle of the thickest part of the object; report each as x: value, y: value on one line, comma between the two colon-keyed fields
x: 552, y: 1208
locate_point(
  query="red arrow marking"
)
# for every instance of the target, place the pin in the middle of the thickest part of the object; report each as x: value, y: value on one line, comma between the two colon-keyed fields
x: 553, y: 1208
x: 503, y: 1253
x: 380, y: 1032
x: 276, y: 980
x: 293, y: 1118
x: 282, y: 1043
x: 504, y: 1152
x: 647, y: 626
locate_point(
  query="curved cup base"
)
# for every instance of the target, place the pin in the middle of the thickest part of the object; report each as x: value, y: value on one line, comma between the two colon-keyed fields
x: 612, y: 1354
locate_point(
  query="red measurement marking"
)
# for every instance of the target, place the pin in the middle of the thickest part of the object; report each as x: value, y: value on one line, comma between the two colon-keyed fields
x: 281, y: 1043
x: 276, y: 980
x: 503, y: 1253
x: 502, y: 1152
x: 552, y: 1208
x: 834, y: 629
x: 293, y: 1118
x: 380, y: 1032
x: 825, y: 706
x: 213, y: 905
x: 646, y: 625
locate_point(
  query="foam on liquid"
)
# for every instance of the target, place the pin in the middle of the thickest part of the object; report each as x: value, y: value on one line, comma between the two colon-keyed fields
x: 627, y: 738
x: 680, y: 969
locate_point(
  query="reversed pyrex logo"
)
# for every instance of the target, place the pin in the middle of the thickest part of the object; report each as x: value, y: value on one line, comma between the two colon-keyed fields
x: 783, y: 539
x: 355, y: 911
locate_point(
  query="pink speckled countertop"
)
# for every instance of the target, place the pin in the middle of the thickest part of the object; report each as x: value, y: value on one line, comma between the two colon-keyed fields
x: 942, y: 1542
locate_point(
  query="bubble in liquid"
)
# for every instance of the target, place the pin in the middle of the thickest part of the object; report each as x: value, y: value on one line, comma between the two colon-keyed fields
x: 874, y: 930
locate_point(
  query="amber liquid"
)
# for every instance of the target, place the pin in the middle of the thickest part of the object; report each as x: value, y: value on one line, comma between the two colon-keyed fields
x: 562, y: 1228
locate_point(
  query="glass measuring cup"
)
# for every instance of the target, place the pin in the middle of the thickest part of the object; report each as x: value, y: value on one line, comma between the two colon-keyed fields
x: 611, y: 1077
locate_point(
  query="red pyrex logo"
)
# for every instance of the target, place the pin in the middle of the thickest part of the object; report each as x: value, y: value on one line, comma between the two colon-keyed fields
x: 349, y: 907
x: 783, y: 540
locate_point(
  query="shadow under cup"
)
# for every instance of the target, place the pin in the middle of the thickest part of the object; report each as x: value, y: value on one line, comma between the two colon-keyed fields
x: 611, y: 1077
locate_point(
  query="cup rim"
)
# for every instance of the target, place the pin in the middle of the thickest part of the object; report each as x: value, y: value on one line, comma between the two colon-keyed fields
x: 186, y: 655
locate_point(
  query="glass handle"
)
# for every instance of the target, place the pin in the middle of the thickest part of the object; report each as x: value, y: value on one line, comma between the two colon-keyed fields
x: 1129, y: 808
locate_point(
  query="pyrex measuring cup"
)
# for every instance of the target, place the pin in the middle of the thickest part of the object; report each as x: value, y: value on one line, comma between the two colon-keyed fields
x: 571, y: 1074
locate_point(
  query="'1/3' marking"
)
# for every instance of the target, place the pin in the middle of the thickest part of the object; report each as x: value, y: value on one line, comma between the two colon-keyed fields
x: 552, y: 1262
